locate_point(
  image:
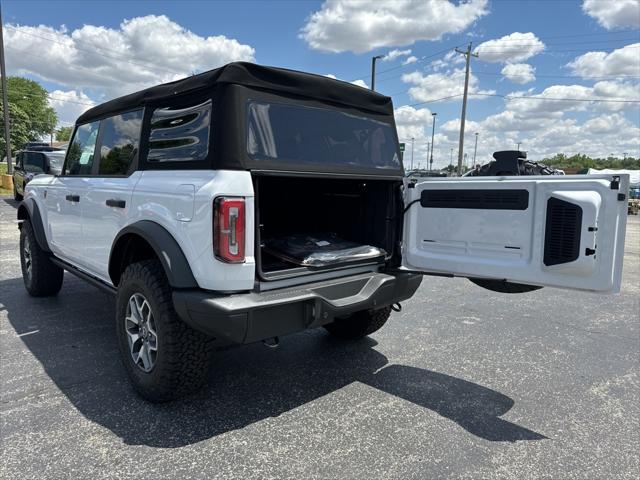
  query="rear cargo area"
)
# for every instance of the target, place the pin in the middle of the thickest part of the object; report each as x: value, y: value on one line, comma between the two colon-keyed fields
x: 358, y: 213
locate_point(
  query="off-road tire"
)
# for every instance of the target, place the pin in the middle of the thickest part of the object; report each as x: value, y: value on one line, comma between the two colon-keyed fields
x: 16, y: 196
x: 501, y: 286
x: 44, y: 278
x: 359, y: 324
x: 183, y: 354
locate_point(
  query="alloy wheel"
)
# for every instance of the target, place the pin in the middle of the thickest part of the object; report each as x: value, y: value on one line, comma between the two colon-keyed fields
x: 142, y: 336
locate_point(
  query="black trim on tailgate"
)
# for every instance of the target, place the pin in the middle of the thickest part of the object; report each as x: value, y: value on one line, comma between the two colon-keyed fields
x: 503, y: 199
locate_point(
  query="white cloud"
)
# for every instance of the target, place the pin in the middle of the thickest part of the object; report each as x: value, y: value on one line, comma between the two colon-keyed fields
x: 409, y: 60
x: 361, y: 26
x: 575, y: 98
x: 143, y: 51
x: 515, y: 47
x: 622, y: 61
x: 359, y: 82
x: 69, y: 105
x: 414, y: 123
x: 438, y: 85
x: 519, y: 72
x: 613, y: 13
x: 393, y: 54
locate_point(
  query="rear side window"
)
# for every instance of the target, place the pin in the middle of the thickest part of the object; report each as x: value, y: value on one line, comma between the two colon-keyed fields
x: 33, y: 162
x: 119, y: 142
x: 298, y: 135
x: 180, y: 134
x: 81, y: 150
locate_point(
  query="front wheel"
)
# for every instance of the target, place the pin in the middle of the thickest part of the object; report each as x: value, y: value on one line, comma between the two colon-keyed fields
x: 359, y: 324
x: 16, y: 195
x: 41, y: 277
x: 163, y: 356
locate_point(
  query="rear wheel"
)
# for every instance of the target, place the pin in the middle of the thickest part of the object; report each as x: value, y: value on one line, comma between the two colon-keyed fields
x: 359, y: 324
x: 165, y: 358
x: 41, y: 277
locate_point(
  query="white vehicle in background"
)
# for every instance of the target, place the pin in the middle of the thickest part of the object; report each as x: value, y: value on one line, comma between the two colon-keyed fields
x: 250, y: 202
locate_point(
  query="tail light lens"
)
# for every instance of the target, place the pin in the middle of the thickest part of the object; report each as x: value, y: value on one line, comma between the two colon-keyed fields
x: 228, y: 229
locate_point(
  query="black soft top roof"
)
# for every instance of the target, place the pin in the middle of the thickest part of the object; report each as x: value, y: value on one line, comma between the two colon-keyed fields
x: 256, y: 76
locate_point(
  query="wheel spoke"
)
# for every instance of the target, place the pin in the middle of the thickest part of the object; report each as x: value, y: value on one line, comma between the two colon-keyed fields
x: 133, y: 338
x: 143, y: 355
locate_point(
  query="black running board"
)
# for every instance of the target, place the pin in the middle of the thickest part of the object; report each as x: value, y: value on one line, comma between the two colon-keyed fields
x: 96, y: 282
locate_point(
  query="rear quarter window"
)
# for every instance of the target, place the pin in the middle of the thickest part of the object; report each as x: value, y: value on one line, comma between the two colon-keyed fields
x: 180, y: 134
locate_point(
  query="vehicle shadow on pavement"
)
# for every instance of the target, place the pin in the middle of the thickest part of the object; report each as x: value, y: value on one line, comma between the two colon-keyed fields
x: 11, y: 202
x: 75, y: 343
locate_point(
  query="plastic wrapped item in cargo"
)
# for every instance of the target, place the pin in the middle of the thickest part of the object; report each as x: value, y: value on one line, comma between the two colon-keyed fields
x: 322, y: 250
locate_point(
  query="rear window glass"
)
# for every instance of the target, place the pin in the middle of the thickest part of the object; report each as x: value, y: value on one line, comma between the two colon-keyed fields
x: 120, y: 137
x: 296, y: 134
x: 180, y: 134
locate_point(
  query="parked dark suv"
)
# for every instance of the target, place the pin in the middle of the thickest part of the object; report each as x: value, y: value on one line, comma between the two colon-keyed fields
x: 30, y: 163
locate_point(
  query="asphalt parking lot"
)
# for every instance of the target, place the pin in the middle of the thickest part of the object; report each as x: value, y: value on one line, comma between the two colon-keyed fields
x: 464, y: 383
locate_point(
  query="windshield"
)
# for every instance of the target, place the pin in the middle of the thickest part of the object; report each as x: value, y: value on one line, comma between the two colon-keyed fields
x: 295, y: 134
x: 56, y: 159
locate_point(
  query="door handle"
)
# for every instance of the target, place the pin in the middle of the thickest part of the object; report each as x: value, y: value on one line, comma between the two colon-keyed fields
x: 112, y: 202
x: 73, y: 198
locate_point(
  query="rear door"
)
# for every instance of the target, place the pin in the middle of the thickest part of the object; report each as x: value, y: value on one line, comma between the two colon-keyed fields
x: 564, y: 231
x: 107, y: 202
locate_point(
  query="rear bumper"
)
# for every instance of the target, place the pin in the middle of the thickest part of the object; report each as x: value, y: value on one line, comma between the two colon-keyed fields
x: 250, y: 317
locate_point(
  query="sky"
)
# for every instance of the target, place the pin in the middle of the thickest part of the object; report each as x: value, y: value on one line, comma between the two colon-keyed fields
x: 554, y: 76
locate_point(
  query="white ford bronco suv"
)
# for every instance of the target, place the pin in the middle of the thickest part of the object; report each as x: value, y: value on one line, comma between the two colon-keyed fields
x: 250, y: 202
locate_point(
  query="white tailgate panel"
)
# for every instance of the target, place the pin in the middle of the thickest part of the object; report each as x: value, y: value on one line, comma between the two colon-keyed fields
x: 509, y: 244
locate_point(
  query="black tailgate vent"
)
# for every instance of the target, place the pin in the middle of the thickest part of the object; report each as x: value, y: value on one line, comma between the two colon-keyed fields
x: 562, y: 235
x: 476, y: 199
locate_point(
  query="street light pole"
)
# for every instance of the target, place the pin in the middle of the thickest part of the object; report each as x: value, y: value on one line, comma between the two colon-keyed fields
x: 519, y: 145
x: 373, y: 70
x: 428, y: 149
x: 433, y: 131
x: 475, y: 149
x: 412, y: 140
x: 5, y: 101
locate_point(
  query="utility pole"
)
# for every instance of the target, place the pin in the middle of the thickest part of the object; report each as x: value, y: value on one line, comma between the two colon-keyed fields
x: 519, y: 146
x: 451, y: 161
x: 475, y: 149
x: 412, y: 140
x: 433, y: 131
x: 468, y: 56
x: 373, y: 70
x: 428, y: 155
x: 624, y: 155
x: 5, y: 101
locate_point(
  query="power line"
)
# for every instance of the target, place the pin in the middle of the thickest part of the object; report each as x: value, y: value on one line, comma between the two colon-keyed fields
x: 608, y: 77
x: 517, y: 97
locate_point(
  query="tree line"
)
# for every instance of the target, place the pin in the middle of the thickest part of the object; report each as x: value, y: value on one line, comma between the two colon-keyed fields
x: 581, y: 161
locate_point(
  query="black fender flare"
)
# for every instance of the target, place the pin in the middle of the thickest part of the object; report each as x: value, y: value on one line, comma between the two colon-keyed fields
x: 166, y: 248
x: 29, y: 210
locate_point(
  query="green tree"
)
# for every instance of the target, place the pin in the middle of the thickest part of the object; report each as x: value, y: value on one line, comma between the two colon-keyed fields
x: 19, y: 130
x: 63, y: 134
x: 31, y: 117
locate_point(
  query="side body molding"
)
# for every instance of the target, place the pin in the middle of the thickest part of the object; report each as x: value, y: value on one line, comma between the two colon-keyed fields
x: 28, y: 210
x: 166, y: 248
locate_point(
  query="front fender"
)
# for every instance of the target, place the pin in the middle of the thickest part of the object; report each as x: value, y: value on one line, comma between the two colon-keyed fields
x: 29, y: 210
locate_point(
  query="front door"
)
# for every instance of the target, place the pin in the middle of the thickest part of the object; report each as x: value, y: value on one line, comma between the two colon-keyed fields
x: 66, y: 193
x: 561, y: 231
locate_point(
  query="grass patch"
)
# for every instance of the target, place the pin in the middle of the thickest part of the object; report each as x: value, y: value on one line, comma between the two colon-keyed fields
x: 3, y: 168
